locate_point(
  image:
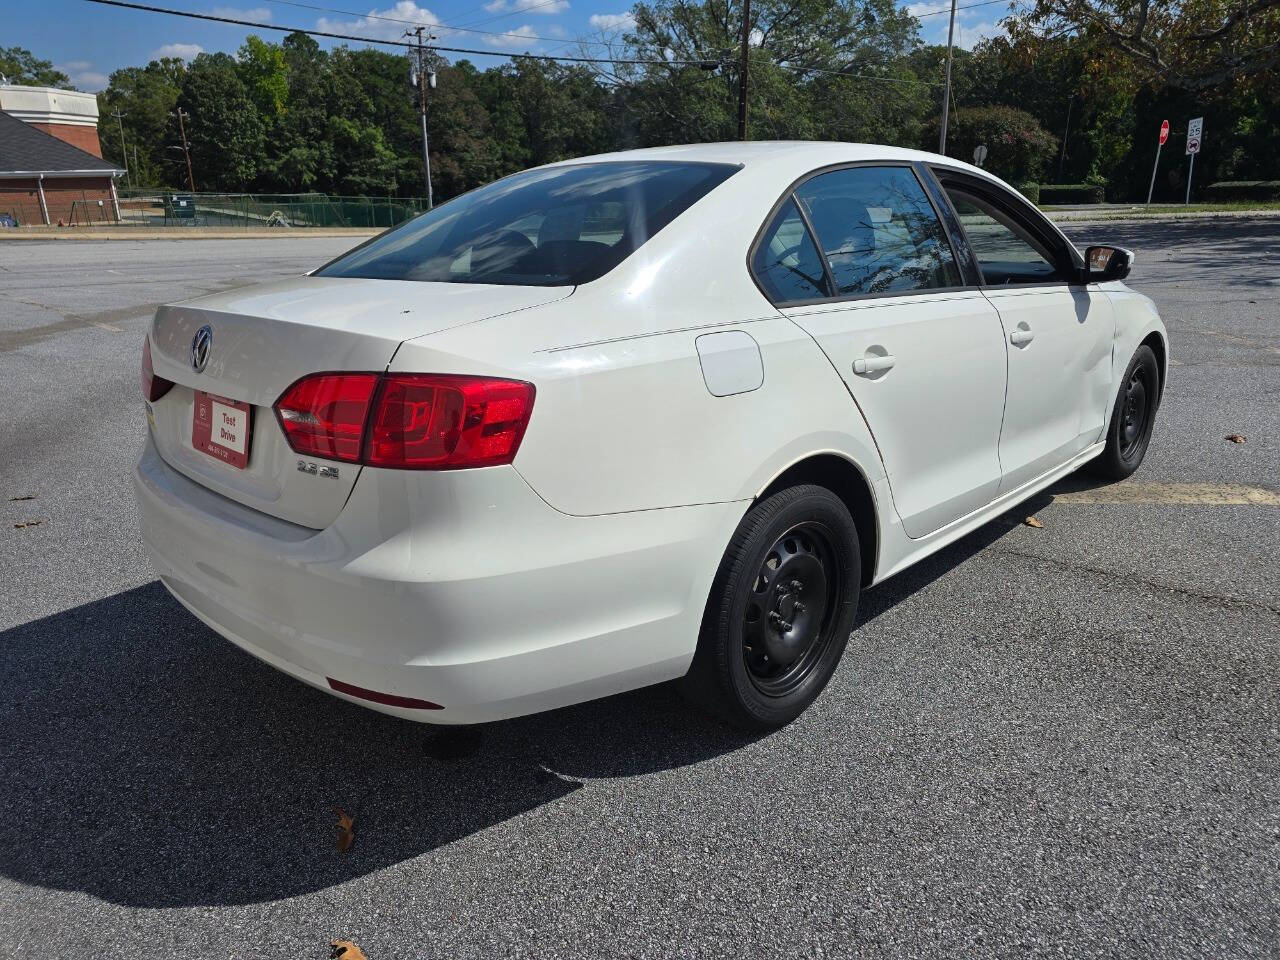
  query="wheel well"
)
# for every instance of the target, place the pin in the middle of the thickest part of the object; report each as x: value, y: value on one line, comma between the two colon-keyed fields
x: 847, y: 482
x: 1156, y: 343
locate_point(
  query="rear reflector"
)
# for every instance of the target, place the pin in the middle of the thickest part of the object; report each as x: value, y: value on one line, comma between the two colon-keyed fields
x: 389, y: 699
x: 411, y: 421
x: 153, y: 387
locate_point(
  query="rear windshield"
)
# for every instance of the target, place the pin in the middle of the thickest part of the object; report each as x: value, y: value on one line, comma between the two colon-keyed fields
x: 543, y: 228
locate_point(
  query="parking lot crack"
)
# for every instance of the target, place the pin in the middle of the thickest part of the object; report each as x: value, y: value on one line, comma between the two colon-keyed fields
x: 1201, y: 596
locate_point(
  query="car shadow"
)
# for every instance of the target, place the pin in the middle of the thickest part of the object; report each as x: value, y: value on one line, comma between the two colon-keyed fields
x: 150, y: 763
x: 885, y: 596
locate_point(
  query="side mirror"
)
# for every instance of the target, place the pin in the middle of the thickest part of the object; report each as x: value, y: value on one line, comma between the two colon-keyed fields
x: 1107, y: 263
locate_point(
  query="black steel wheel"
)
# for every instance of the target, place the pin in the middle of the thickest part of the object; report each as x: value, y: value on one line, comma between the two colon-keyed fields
x: 780, y: 610
x: 787, y: 615
x: 1132, y: 419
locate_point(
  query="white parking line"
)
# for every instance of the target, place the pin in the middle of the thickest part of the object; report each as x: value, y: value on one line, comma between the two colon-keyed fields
x: 1174, y: 494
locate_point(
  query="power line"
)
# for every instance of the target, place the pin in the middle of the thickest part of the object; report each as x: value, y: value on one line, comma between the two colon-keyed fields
x: 434, y: 26
x: 947, y: 9
x: 705, y: 64
x: 388, y: 43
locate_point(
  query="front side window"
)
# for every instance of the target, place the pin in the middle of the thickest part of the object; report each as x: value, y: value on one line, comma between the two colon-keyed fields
x: 555, y: 226
x: 878, y: 231
x: 787, y: 263
x: 1006, y: 252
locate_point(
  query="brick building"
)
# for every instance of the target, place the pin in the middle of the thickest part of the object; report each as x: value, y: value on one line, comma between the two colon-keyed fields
x: 66, y: 114
x: 44, y: 178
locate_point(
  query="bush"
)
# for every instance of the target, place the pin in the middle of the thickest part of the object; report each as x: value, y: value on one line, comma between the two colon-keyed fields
x: 1031, y: 191
x: 1018, y: 148
x: 1229, y: 191
x: 1071, y: 193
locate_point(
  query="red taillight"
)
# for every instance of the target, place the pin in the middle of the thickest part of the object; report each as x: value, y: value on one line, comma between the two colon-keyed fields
x: 324, y: 415
x: 153, y: 387
x: 407, y: 421
x: 438, y: 422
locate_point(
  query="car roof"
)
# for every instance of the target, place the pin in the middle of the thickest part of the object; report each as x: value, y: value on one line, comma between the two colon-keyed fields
x: 809, y: 154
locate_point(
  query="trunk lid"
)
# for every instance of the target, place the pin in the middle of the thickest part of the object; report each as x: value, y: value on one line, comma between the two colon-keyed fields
x: 266, y: 337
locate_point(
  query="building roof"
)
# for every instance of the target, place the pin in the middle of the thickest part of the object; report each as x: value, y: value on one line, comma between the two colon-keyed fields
x: 24, y: 150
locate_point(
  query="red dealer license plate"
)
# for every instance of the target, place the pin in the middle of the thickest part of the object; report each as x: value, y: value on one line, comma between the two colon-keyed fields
x: 220, y: 427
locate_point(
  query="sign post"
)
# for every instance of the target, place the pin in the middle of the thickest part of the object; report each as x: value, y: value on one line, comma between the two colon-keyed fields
x: 1195, y: 130
x: 1164, y: 135
x: 980, y: 154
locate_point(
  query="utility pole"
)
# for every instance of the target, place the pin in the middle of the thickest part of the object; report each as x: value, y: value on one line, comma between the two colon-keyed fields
x: 946, y: 96
x: 124, y: 154
x: 1062, y: 157
x: 746, y: 60
x: 420, y: 78
x: 182, y: 129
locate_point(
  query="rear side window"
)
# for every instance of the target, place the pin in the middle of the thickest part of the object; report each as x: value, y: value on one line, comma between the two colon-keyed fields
x: 878, y: 231
x: 550, y: 227
x: 787, y: 263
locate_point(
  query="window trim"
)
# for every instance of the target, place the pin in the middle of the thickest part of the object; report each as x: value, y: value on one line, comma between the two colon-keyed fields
x: 789, y: 194
x: 1018, y: 209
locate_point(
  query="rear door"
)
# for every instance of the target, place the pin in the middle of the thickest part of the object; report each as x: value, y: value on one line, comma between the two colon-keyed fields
x: 859, y: 259
x: 1059, y: 330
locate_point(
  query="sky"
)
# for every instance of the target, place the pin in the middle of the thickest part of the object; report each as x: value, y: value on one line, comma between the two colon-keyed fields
x: 87, y: 41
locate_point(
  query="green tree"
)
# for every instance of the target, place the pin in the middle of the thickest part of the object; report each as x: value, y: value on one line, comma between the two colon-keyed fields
x: 265, y: 75
x: 225, y: 130
x: 1019, y: 149
x: 147, y: 97
x: 794, y: 44
x: 21, y: 66
x: 299, y: 154
x: 1196, y: 45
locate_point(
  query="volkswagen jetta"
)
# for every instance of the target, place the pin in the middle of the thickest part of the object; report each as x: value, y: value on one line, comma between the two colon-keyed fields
x: 632, y: 418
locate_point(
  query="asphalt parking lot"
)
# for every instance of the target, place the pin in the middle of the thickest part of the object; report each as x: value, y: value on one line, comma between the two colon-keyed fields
x: 1061, y: 741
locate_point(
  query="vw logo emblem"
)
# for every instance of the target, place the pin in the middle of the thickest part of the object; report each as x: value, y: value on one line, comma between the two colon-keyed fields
x: 200, y: 344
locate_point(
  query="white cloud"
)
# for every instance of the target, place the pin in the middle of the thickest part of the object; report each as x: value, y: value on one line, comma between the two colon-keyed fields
x: 927, y: 8
x: 390, y: 29
x: 260, y: 14
x: 185, y: 51
x: 522, y: 37
x: 527, y: 6
x: 83, y: 76
x: 613, y: 21
x: 967, y: 35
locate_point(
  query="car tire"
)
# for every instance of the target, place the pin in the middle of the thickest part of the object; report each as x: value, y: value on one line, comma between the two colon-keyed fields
x: 1132, y: 418
x: 781, y: 609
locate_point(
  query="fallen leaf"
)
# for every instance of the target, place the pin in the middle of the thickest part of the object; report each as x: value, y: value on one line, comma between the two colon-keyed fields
x: 1234, y: 438
x: 346, y: 950
x: 1033, y: 522
x: 29, y: 523
x: 346, y: 831
x: 28, y: 497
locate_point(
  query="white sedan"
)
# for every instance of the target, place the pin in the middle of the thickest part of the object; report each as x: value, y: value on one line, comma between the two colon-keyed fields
x: 631, y: 418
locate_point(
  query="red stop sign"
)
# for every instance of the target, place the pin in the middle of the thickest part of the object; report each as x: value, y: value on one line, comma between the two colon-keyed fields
x: 1164, y: 132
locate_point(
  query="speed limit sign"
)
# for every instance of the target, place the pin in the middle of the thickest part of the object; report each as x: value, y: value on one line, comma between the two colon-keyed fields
x: 1194, y: 130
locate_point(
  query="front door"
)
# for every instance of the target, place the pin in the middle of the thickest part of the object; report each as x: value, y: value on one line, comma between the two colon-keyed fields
x: 922, y: 355
x: 1059, y: 333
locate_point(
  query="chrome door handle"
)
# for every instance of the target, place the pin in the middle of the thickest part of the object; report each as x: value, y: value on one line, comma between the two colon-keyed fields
x: 865, y: 365
x: 1021, y: 335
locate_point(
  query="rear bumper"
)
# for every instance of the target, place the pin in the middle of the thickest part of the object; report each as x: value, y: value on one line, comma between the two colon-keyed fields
x: 462, y: 588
